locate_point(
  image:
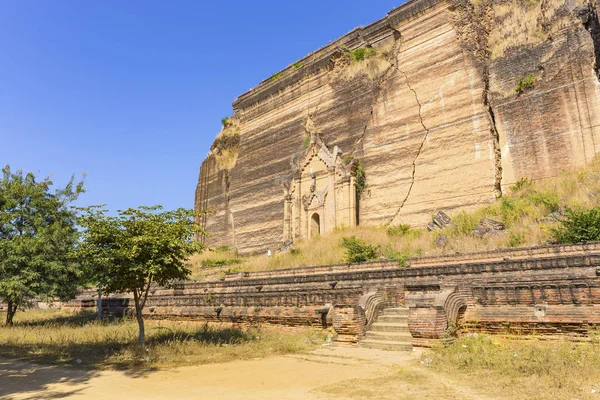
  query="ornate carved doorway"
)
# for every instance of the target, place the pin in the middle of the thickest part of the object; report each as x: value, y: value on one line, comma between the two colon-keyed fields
x: 322, y: 195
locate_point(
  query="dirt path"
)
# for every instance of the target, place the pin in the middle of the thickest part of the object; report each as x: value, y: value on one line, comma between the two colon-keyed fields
x: 285, y: 377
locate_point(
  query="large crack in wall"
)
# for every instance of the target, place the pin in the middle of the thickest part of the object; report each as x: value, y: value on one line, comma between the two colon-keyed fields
x: 378, y: 88
x: 419, y: 150
x: 473, y: 24
x: 421, y: 144
x: 494, y: 133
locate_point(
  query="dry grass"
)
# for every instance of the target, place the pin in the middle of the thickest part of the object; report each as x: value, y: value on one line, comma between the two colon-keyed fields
x: 522, y: 369
x: 225, y: 146
x: 60, y: 337
x: 523, y: 23
x: 523, y: 210
x: 372, y: 67
x: 482, y: 367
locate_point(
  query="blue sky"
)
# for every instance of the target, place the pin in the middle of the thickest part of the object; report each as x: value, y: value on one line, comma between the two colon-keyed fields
x: 132, y: 92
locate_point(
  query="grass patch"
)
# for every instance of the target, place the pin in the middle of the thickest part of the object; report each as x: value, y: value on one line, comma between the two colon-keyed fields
x: 521, y: 369
x: 61, y: 338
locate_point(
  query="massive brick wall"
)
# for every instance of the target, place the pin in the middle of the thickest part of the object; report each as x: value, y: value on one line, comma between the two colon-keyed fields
x: 437, y: 129
x: 546, y: 290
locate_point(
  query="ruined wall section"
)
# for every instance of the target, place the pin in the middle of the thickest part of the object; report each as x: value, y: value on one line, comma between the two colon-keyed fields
x: 414, y: 119
x: 544, y: 290
x: 434, y: 118
x: 539, y: 62
x: 555, y: 124
x: 428, y: 146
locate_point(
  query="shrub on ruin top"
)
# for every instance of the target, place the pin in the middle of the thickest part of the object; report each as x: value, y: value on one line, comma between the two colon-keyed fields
x: 578, y: 226
x: 362, y: 53
x: 358, y: 251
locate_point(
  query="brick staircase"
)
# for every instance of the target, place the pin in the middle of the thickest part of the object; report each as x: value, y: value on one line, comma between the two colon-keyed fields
x: 389, y: 331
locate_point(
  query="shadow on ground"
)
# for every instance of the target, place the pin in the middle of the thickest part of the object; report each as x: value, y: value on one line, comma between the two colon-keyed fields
x: 23, y: 378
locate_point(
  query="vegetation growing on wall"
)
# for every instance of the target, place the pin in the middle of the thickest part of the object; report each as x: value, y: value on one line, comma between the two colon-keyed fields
x: 525, y: 83
x: 361, y: 179
x: 364, y: 61
x: 306, y: 142
x: 226, y: 144
x: 362, y: 53
x: 275, y: 76
x: 515, y: 25
x: 530, y: 211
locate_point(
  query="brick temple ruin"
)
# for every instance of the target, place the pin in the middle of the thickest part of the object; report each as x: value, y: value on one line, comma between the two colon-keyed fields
x: 542, y: 290
x: 447, y: 114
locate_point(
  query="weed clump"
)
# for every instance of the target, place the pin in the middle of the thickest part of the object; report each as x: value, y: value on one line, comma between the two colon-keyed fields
x: 362, y: 53
x: 525, y: 83
x: 399, y: 230
x: 358, y: 251
x: 275, y: 76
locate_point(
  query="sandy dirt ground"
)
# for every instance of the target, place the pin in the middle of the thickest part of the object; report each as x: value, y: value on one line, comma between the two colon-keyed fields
x: 283, y: 377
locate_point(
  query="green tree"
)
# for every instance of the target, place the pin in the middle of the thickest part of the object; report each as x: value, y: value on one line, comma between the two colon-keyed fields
x: 38, y: 235
x: 137, y: 248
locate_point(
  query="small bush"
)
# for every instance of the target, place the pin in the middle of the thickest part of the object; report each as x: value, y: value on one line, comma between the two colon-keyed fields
x: 222, y: 249
x: 224, y: 121
x: 578, y: 226
x: 275, y: 76
x: 520, y: 184
x: 399, y: 257
x: 362, y: 53
x: 357, y: 251
x: 294, y: 251
x: 297, y: 65
x: 525, y: 83
x: 398, y: 230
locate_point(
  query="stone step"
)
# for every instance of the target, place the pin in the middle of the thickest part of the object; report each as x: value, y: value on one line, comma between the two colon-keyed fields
x: 386, y: 345
x: 388, y: 327
x: 389, y: 336
x: 392, y: 318
x: 403, y: 312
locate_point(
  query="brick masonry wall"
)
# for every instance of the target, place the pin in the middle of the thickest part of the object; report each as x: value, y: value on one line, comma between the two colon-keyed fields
x: 545, y: 290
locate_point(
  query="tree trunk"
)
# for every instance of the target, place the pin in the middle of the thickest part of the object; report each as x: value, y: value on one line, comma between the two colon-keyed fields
x: 138, y: 316
x: 99, y: 302
x: 10, y: 313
